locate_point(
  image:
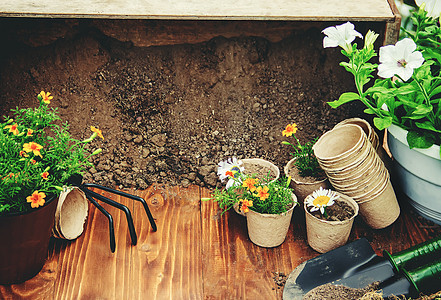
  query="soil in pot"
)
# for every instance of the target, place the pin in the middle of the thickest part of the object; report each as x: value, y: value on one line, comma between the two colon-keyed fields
x: 259, y: 170
x: 339, y: 211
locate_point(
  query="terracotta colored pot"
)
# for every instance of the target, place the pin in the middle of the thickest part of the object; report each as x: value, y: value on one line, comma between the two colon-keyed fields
x: 24, y: 242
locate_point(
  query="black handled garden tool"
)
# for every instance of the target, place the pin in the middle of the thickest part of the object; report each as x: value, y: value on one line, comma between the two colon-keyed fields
x: 91, y: 196
x: 356, y: 265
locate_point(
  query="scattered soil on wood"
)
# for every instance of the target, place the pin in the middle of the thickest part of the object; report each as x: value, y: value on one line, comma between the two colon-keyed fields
x: 337, y: 292
x: 339, y: 211
x: 170, y: 113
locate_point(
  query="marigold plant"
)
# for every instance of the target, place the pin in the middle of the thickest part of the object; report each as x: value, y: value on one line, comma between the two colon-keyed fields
x: 37, y: 156
x: 306, y: 161
x: 250, y: 193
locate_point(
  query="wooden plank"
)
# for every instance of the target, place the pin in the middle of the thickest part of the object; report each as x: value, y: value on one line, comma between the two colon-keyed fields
x: 234, y: 268
x: 202, y: 9
x: 87, y: 268
x: 166, y: 264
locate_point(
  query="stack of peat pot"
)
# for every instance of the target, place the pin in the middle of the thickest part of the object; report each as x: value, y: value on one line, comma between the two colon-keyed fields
x: 355, y: 169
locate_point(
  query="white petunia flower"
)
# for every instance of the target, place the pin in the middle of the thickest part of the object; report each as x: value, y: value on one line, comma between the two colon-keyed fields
x: 433, y: 7
x: 399, y: 59
x: 229, y: 169
x: 340, y: 35
x: 320, y: 199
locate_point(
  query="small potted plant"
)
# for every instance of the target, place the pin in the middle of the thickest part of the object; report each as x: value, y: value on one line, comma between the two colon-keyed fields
x: 303, y: 168
x: 37, y: 157
x: 329, y: 219
x: 267, y: 204
x: 231, y: 168
x: 405, y: 98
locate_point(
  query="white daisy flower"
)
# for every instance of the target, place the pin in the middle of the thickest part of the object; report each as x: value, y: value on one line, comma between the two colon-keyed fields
x: 229, y: 169
x: 320, y: 199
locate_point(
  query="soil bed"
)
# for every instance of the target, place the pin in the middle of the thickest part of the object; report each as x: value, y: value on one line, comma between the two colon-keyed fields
x: 169, y: 114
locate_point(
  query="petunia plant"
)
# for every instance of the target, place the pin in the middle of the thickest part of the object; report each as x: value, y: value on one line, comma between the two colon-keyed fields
x: 38, y: 156
x: 306, y: 161
x: 408, y: 90
x: 246, y: 192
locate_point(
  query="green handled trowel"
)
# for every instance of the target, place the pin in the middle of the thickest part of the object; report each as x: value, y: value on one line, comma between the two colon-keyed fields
x: 356, y: 265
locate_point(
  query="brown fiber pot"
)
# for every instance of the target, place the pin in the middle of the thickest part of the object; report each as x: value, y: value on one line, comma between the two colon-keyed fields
x: 324, y: 236
x: 269, y: 230
x: 302, y: 188
x: 24, y: 242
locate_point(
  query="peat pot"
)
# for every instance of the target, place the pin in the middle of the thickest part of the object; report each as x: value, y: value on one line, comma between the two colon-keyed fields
x: 418, y: 173
x: 303, y: 186
x: 24, y: 242
x: 269, y: 230
x: 323, y: 235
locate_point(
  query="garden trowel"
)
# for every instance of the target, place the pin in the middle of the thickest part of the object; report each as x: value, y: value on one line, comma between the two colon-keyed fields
x: 356, y: 265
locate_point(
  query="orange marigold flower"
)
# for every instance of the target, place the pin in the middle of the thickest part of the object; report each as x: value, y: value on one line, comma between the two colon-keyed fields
x: 262, y: 193
x: 290, y: 129
x: 97, y: 131
x: 33, y: 147
x: 250, y: 184
x: 45, y: 175
x: 36, y: 199
x: 45, y: 97
x: 30, y: 132
x: 12, y: 128
x: 245, y: 204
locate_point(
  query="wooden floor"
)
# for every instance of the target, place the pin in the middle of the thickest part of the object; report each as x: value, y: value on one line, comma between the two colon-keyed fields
x: 195, y: 254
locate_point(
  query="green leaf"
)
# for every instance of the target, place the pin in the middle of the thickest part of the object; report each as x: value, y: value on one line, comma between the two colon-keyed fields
x: 435, y: 91
x: 382, y: 123
x: 421, y: 140
x: 427, y: 125
x: 422, y: 109
x: 344, y: 98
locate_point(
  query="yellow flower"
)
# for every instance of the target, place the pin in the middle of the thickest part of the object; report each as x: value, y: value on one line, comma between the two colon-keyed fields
x: 262, y: 193
x: 97, y: 131
x: 12, y: 128
x: 29, y: 133
x: 45, y: 97
x: 36, y: 199
x: 290, y: 129
x: 33, y: 147
x: 249, y: 183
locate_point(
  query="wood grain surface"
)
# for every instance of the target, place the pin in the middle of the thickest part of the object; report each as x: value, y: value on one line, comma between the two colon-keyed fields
x: 197, y: 253
x: 201, y: 9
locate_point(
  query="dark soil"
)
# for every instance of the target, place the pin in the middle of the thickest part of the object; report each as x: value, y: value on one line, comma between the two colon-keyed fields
x: 339, y: 211
x: 170, y: 113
